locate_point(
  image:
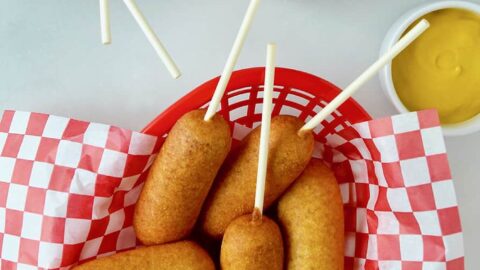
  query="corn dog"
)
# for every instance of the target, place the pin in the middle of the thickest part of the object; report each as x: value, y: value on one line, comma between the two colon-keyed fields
x: 180, y: 178
x: 185, y: 255
x: 311, y: 216
x: 234, y: 188
x: 252, y: 244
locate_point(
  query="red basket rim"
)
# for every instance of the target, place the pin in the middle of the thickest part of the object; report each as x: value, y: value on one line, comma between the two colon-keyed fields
x: 245, y: 77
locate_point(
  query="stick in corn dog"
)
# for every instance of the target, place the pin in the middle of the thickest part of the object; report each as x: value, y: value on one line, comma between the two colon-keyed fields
x: 254, y: 241
x: 186, y: 166
x: 291, y: 146
x: 311, y: 211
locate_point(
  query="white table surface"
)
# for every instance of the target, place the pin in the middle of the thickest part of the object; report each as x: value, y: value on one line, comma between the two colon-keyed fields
x: 52, y: 61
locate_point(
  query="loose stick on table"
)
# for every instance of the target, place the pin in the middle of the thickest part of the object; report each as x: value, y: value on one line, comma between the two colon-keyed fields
x: 152, y: 38
x: 105, y: 22
x: 232, y: 59
x: 367, y: 75
x: 265, y: 128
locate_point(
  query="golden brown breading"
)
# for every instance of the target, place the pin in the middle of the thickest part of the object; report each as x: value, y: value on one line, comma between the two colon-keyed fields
x: 185, y: 255
x: 252, y: 245
x: 180, y: 178
x: 233, y: 191
x: 312, y: 222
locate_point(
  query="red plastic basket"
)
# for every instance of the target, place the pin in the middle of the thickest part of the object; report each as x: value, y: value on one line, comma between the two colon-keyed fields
x: 296, y: 93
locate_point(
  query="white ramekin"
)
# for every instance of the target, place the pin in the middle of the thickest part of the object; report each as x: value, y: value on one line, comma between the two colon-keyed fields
x: 394, y: 34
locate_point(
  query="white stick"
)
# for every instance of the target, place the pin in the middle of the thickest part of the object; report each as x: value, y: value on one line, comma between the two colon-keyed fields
x: 105, y: 22
x: 265, y: 129
x: 232, y: 59
x: 367, y: 75
x: 152, y: 38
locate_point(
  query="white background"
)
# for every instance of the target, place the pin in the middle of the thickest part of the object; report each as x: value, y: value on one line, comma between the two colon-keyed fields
x: 52, y: 61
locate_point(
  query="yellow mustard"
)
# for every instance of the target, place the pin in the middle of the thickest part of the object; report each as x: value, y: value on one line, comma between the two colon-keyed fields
x: 441, y: 69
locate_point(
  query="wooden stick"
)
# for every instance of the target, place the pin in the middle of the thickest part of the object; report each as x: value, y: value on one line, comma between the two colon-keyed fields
x: 232, y: 59
x: 265, y: 129
x: 105, y: 22
x: 367, y: 75
x: 152, y: 38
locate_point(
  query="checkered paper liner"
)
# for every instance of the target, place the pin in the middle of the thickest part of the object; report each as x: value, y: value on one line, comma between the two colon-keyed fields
x: 68, y: 189
x: 400, y: 206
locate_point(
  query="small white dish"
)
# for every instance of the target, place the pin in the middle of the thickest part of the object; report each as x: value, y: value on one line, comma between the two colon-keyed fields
x: 394, y: 34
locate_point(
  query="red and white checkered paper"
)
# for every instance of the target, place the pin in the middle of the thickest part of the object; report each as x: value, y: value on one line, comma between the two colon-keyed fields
x: 400, y: 205
x: 68, y: 188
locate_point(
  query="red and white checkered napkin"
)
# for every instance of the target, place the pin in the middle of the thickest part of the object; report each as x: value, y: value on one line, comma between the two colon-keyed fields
x: 67, y: 189
x: 400, y: 205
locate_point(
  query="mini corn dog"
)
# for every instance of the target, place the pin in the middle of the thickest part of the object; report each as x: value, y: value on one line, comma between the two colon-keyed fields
x: 185, y: 255
x: 252, y: 244
x: 234, y: 188
x: 311, y: 216
x: 180, y: 178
